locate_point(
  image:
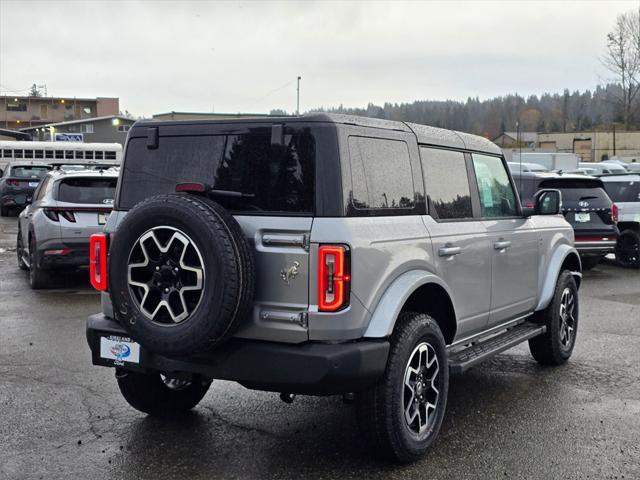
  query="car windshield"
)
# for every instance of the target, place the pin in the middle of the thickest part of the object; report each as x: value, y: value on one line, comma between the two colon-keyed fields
x: 28, y: 171
x: 87, y: 190
x: 626, y: 191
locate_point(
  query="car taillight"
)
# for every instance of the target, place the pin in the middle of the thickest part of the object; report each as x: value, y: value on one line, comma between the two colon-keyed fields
x: 98, y: 244
x: 55, y: 214
x: 333, y: 277
x: 13, y: 183
x: 614, y: 213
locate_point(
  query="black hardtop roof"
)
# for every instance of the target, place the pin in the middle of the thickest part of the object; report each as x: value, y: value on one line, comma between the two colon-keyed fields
x: 425, y: 134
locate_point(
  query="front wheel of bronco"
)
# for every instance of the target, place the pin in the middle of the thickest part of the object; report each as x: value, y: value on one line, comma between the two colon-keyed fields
x: 160, y: 396
x: 401, y: 415
x: 555, y: 346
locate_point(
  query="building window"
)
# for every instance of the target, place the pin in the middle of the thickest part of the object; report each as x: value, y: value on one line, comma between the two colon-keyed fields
x: 124, y: 128
x: 87, y: 109
x: 16, y: 107
x: 86, y: 128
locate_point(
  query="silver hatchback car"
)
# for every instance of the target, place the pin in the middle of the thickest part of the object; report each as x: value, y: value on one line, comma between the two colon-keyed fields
x: 54, y: 230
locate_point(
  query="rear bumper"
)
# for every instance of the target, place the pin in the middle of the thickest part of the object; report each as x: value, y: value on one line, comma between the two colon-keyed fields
x: 56, y: 254
x: 595, y: 246
x: 310, y: 368
x: 15, y: 200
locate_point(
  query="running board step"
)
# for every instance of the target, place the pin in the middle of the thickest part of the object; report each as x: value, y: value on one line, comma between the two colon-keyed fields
x: 461, y: 360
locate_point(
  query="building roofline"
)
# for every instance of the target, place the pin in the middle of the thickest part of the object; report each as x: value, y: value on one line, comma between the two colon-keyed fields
x: 84, y: 120
x: 81, y: 99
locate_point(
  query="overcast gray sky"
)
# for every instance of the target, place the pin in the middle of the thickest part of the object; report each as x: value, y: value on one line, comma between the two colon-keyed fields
x: 235, y: 57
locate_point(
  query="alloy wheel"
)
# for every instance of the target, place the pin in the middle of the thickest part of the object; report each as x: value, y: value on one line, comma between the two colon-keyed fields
x: 166, y: 275
x: 567, y: 318
x: 421, y: 388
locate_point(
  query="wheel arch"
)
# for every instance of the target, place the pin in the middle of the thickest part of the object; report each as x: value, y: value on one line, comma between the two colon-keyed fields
x: 564, y: 258
x: 416, y: 291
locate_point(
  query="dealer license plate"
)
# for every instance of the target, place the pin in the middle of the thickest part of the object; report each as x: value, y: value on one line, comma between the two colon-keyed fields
x: 33, y: 184
x: 119, y: 349
x: 583, y: 217
x: 102, y: 218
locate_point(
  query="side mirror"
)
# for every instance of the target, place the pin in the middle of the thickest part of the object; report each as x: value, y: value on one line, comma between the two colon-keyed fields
x: 547, y: 202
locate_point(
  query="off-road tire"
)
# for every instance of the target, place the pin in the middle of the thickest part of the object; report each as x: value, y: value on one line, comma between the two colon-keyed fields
x: 229, y: 278
x: 38, y: 278
x: 589, y: 263
x: 380, y: 410
x: 628, y: 259
x: 20, y: 252
x: 547, y: 348
x: 149, y: 394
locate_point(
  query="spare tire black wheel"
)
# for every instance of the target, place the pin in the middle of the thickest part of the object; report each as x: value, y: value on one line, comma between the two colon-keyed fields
x: 181, y: 274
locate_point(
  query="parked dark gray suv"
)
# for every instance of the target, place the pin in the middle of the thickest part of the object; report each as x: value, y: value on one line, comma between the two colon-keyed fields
x: 321, y: 255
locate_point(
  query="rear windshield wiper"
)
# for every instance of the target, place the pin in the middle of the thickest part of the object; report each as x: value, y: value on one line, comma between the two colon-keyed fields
x: 195, y: 187
x: 588, y: 197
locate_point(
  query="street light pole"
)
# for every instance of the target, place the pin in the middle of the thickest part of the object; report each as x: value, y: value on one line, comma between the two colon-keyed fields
x: 298, y: 98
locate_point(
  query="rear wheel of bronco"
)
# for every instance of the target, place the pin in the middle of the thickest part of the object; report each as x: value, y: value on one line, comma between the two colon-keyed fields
x: 628, y: 249
x: 161, y: 396
x: 401, y: 415
x: 181, y: 274
x: 555, y: 346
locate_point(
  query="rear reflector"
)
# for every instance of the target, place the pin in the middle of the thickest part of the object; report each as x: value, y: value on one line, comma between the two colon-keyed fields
x: 333, y: 277
x: 98, y: 245
x: 64, y: 251
x: 191, y: 187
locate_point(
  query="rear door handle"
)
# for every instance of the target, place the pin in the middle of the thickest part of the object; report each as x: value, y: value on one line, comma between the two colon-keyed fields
x: 502, y: 244
x: 449, y: 251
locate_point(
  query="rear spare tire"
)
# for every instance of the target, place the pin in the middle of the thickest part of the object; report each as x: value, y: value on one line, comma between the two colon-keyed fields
x: 181, y: 274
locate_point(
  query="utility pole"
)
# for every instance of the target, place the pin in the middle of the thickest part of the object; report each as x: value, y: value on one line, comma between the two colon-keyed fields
x: 298, y: 98
x: 614, y: 139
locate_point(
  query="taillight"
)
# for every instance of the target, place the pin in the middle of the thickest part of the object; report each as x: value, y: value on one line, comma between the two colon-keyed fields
x: 13, y: 183
x: 98, y: 260
x: 614, y: 213
x: 55, y: 214
x: 333, y: 277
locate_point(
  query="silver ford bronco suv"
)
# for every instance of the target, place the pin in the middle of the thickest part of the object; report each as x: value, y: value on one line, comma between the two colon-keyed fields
x: 322, y: 255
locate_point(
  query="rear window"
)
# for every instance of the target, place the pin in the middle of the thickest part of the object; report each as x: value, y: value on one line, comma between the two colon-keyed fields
x: 272, y: 178
x: 28, y: 171
x: 574, y: 191
x: 87, y: 190
x: 623, y: 191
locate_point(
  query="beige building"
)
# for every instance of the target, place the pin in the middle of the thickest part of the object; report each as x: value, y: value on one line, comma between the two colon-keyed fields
x: 22, y: 112
x: 594, y: 146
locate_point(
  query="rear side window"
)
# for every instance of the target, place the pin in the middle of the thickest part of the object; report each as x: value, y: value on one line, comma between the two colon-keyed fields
x: 447, y: 183
x: 623, y: 191
x: 497, y: 198
x: 272, y: 178
x: 87, y: 190
x: 381, y: 174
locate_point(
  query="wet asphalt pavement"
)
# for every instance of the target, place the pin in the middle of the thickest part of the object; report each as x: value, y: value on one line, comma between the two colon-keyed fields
x: 61, y: 417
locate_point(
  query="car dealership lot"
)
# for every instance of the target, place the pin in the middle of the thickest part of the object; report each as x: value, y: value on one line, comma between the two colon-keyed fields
x: 509, y: 418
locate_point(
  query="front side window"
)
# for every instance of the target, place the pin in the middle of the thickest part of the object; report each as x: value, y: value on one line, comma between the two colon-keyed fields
x: 496, y: 193
x: 447, y: 183
x: 381, y: 174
